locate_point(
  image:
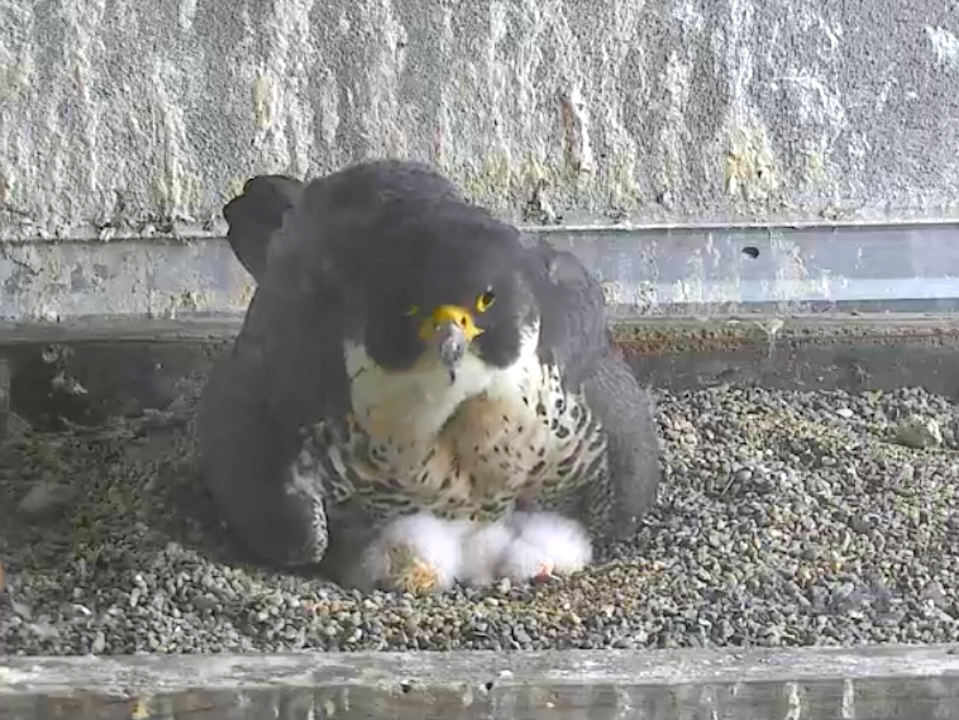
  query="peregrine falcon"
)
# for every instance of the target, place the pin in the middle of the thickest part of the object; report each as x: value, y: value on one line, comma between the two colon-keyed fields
x: 407, y: 351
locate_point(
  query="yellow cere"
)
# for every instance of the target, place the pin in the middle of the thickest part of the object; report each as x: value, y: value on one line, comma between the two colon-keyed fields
x: 459, y: 316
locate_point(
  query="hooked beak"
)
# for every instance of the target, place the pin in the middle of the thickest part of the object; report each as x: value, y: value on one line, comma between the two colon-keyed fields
x: 452, y: 344
x: 450, y: 329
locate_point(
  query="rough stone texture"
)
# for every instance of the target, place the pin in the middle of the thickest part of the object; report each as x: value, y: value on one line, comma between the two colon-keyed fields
x: 120, y: 117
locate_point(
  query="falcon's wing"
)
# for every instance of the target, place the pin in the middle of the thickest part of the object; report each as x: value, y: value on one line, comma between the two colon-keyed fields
x: 284, y: 370
x: 257, y: 213
x: 244, y: 462
x: 628, y: 413
x: 576, y: 338
x: 573, y: 332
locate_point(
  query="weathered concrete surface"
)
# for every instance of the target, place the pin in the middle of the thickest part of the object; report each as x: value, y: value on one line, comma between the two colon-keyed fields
x: 141, y: 117
x: 873, y: 684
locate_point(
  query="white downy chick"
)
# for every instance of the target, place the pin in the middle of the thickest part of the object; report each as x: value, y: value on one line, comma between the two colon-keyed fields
x: 418, y: 554
x: 546, y: 544
x: 484, y: 547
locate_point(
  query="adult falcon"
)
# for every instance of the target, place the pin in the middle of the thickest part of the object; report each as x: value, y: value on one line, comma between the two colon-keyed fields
x: 407, y: 351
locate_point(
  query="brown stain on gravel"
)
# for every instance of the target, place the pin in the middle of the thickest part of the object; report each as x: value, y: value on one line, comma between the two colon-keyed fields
x: 641, y: 341
x: 665, y: 337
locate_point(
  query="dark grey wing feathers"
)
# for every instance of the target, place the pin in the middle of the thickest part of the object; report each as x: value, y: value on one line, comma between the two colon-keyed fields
x: 573, y: 333
x: 285, y: 370
x: 575, y: 337
x: 254, y: 215
x: 627, y: 411
x: 244, y: 462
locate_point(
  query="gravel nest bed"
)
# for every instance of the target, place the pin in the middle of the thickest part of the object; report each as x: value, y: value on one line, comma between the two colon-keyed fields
x: 786, y: 518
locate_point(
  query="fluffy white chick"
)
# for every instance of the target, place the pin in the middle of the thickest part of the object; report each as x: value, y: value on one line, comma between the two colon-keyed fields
x: 484, y: 547
x: 418, y: 554
x: 545, y: 544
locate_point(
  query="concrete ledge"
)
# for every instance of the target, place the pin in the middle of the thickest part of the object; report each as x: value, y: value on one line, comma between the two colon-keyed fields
x: 892, y: 682
x: 125, y: 365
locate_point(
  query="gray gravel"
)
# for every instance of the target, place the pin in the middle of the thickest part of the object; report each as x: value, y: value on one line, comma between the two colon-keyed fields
x: 787, y: 518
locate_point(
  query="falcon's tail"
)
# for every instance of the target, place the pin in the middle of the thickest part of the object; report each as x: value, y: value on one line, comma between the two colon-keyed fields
x: 256, y: 214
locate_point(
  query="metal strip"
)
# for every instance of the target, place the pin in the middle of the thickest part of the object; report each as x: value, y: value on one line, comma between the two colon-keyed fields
x: 698, y: 271
x: 888, y: 268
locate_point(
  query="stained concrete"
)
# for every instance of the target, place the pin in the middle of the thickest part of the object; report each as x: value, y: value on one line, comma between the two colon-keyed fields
x: 139, y: 117
x: 93, y: 372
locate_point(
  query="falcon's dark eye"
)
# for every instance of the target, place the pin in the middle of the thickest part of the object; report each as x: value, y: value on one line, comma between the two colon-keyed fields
x: 484, y: 301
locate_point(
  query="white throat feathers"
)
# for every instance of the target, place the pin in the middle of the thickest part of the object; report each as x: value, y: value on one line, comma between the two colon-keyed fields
x: 416, y: 404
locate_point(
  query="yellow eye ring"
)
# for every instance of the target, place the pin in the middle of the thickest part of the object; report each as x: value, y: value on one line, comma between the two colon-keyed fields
x: 484, y: 301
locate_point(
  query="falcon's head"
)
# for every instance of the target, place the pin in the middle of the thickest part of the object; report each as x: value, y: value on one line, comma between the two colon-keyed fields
x: 452, y: 290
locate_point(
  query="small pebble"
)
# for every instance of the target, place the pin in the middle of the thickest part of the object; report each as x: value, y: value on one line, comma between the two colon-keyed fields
x: 99, y: 643
x: 21, y: 609
x: 919, y: 432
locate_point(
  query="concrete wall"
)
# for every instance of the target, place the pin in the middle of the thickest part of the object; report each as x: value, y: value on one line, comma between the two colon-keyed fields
x: 135, y: 117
